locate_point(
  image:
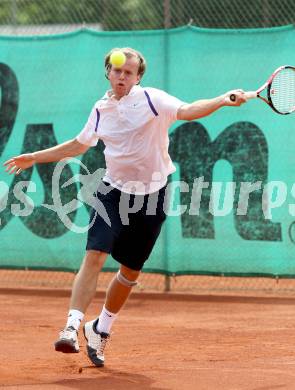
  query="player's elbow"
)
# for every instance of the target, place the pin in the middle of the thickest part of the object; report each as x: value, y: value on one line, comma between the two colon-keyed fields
x: 79, y: 148
x: 84, y: 149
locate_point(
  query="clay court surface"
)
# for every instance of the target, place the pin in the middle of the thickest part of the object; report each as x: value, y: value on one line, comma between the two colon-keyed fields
x: 159, y: 342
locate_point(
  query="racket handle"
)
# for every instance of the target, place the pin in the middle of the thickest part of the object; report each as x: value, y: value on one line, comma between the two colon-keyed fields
x: 249, y: 95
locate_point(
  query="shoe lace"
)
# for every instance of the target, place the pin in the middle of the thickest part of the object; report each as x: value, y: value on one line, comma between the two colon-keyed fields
x: 101, y: 347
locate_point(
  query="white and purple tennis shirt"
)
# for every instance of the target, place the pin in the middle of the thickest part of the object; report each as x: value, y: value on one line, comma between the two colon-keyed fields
x: 134, y: 131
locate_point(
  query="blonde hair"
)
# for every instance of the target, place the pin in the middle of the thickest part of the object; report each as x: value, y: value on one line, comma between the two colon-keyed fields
x: 129, y: 52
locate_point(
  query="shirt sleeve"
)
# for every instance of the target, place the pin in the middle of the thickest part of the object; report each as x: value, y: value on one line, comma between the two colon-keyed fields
x: 88, y: 135
x: 167, y: 105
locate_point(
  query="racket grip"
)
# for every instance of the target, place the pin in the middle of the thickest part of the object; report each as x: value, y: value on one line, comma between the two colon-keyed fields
x: 251, y: 94
x: 248, y: 95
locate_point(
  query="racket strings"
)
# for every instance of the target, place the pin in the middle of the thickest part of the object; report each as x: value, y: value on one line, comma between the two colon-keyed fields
x: 282, y: 91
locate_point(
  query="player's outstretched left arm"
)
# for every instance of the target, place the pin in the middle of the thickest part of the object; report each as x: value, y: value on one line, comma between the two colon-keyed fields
x: 70, y: 148
x: 205, y: 107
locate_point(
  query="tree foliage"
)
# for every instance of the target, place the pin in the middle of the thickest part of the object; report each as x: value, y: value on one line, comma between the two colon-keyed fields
x: 149, y: 14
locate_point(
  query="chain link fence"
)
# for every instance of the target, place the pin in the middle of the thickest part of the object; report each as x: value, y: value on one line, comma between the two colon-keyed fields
x: 154, y: 283
x: 19, y: 17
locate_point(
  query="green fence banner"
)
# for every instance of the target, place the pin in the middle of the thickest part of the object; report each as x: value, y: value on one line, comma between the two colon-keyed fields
x: 48, y: 87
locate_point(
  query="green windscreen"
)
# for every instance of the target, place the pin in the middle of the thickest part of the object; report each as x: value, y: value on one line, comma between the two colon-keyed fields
x: 48, y: 87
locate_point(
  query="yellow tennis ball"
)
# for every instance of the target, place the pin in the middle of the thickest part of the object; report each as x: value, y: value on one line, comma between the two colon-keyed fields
x: 118, y: 58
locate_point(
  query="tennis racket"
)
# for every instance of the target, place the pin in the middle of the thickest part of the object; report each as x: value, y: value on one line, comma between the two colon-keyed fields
x: 280, y: 90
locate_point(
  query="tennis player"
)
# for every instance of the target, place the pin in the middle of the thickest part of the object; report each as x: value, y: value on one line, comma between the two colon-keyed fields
x: 133, y: 123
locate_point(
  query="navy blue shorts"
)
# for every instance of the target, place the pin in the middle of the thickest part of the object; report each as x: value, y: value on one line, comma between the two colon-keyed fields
x: 128, y: 236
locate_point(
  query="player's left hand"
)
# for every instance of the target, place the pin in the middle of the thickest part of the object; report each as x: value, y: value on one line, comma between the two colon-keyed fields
x: 19, y: 163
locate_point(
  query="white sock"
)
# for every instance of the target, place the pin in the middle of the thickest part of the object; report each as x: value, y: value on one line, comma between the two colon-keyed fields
x: 106, y: 319
x: 74, y: 318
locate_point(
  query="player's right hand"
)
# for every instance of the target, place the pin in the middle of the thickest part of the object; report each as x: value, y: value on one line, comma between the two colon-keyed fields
x: 19, y: 163
x: 240, y: 98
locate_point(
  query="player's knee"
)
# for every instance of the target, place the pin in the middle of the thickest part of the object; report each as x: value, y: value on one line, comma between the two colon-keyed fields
x: 127, y: 280
x: 95, y: 259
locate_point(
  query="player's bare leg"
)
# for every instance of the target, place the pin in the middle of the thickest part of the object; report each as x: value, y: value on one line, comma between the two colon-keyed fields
x: 97, y: 332
x: 117, y: 293
x: 83, y: 291
x: 85, y: 282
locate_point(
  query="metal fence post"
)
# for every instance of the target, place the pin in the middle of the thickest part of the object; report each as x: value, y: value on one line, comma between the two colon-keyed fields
x: 167, y: 25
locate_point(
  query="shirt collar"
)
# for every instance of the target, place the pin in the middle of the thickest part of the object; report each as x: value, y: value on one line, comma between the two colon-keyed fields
x: 110, y: 96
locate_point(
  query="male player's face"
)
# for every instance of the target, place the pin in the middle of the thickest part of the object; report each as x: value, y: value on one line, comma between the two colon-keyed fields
x: 124, y: 78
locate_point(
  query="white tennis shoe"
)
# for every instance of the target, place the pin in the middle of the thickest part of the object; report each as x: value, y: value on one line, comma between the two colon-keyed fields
x: 96, y: 343
x: 68, y: 341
